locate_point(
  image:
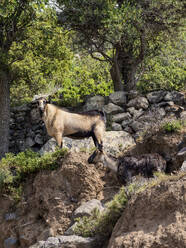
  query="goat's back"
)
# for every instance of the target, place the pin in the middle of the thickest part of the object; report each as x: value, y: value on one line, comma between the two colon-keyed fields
x: 144, y: 165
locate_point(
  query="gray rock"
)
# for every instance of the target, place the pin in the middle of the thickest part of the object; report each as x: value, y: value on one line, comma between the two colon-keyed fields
x: 156, y: 96
x: 39, y: 139
x: 52, y: 242
x: 183, y: 167
x: 22, y: 108
x: 95, y: 102
x: 35, y: 116
x: 132, y: 94
x: 29, y: 142
x: 49, y: 146
x: 165, y: 104
x: 116, y: 127
x: 10, y: 242
x: 20, y: 119
x: 10, y: 216
x: 71, y: 241
x: 112, y: 143
x: 86, y: 208
x: 138, y: 103
x: 39, y: 244
x: 183, y: 115
x: 176, y: 97
x: 135, y: 113
x: 112, y: 108
x: 115, y: 142
x: 137, y: 126
x: 118, y: 98
x: 125, y: 123
x: 70, y: 230
x: 121, y: 117
x: 77, y: 241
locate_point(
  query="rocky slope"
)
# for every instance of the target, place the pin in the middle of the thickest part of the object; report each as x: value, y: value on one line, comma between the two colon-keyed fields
x: 153, y: 218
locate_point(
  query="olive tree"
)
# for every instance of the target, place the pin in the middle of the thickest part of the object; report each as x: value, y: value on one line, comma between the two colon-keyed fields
x: 122, y: 32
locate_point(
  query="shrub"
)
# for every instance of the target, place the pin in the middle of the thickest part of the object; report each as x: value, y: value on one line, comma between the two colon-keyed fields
x: 14, y: 168
x: 103, y: 223
x: 172, y: 126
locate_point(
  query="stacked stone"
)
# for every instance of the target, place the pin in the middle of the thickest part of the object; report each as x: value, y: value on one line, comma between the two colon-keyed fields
x: 26, y: 128
x: 129, y: 112
x: 133, y: 113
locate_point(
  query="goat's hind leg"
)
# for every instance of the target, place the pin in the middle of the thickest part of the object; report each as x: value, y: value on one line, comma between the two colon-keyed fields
x: 59, y: 139
x: 98, y: 143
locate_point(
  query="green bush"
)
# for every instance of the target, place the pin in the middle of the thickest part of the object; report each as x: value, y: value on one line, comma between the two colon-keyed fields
x: 14, y: 168
x: 166, y: 70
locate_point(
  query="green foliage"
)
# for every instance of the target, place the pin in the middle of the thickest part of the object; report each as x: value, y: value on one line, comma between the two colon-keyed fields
x: 167, y: 70
x: 44, y: 63
x: 14, y: 168
x: 86, y: 77
x: 173, y: 126
x: 123, y: 32
x: 41, y: 60
x: 102, y: 223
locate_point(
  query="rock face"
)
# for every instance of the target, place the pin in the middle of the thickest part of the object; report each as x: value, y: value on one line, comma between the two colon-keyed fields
x: 113, y: 142
x: 154, y: 218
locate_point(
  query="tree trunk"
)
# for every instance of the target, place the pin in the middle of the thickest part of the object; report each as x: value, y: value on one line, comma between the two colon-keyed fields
x: 128, y: 72
x: 116, y: 74
x: 123, y: 70
x: 4, y: 113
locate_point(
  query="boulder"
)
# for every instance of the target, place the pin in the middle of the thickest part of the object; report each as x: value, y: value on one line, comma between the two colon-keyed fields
x: 118, y: 98
x: 72, y: 241
x: 121, y: 117
x: 138, y: 103
x: 183, y: 167
x: 49, y: 146
x: 35, y: 116
x: 153, y: 218
x: 112, y: 108
x: 86, y: 208
x: 116, y: 127
x: 95, y: 102
x: 134, y: 112
x: 112, y: 142
x: 137, y: 126
x: 156, y: 96
x: 175, y: 96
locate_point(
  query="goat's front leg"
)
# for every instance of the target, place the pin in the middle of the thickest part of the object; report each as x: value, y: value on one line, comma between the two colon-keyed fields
x: 59, y: 139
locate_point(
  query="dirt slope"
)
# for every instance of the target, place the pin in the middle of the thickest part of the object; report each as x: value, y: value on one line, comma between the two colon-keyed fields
x: 156, y: 218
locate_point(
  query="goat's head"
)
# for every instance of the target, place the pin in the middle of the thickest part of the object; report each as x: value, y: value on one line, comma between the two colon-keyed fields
x: 97, y: 157
x: 42, y: 101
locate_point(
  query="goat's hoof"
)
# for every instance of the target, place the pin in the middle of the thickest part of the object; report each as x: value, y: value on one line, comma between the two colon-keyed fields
x: 90, y: 159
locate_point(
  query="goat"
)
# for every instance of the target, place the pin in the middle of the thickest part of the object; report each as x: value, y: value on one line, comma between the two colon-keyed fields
x: 60, y: 123
x: 127, y: 167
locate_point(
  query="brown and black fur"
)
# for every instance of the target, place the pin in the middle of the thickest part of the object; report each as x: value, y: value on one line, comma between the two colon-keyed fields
x: 144, y: 165
x: 128, y: 166
x: 62, y: 123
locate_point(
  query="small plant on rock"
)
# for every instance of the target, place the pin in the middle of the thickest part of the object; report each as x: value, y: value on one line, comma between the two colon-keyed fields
x: 172, y: 126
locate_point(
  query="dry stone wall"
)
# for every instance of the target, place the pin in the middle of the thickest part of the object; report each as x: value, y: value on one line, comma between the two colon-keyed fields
x: 129, y: 112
